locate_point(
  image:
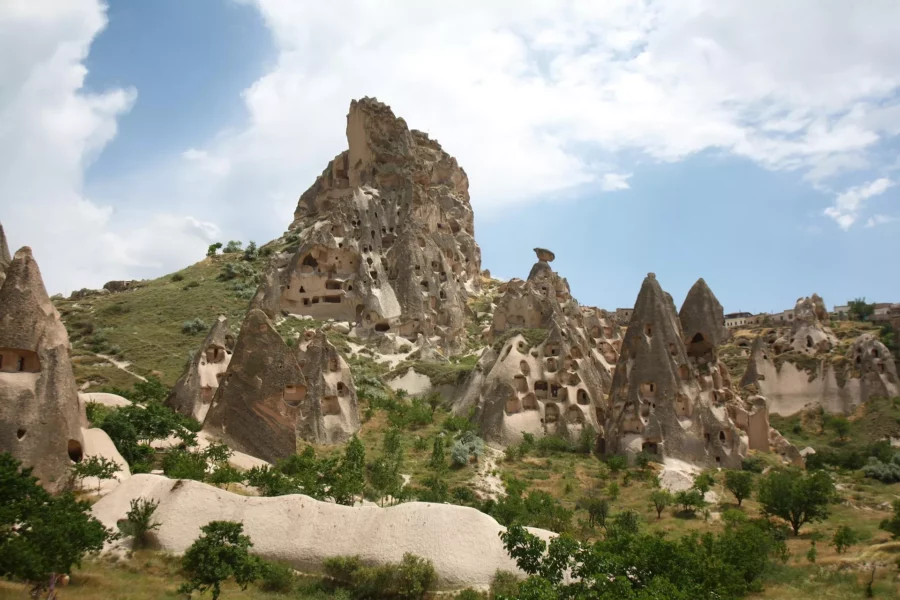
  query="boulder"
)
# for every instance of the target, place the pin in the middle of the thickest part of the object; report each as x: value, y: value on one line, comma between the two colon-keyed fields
x: 40, y: 415
x: 194, y: 391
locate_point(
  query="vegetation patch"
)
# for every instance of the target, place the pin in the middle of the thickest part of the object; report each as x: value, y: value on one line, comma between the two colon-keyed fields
x: 448, y: 373
x: 533, y: 337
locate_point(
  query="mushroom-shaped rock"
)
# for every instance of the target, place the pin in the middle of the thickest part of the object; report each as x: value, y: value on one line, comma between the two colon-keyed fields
x: 257, y: 404
x: 193, y: 393
x: 40, y: 416
x: 544, y: 255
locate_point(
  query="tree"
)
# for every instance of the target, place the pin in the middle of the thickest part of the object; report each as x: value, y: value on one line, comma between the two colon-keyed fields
x: 690, y: 501
x: 860, y: 310
x: 351, y: 479
x: 232, y: 247
x: 221, y: 552
x: 704, y: 482
x: 795, y: 496
x: 42, y: 536
x: 844, y: 537
x: 661, y: 499
x: 434, y: 400
x: 840, y: 425
x: 251, y: 252
x: 211, y: 251
x: 597, y: 509
x: 438, y: 463
x: 616, y: 463
x: 892, y: 525
x: 739, y: 483
x: 95, y: 466
x: 139, y: 521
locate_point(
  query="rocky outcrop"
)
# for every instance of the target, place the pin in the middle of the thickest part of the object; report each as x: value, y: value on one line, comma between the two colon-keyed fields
x: 670, y: 394
x: 384, y: 236
x: 804, y: 367
x: 194, y: 391
x: 40, y: 415
x: 118, y: 286
x: 5, y: 258
x: 462, y: 543
x: 329, y: 413
x: 550, y: 365
x: 258, y: 401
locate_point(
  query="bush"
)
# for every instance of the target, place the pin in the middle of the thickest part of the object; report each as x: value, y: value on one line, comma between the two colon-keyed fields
x: 221, y: 552
x: 739, y: 483
x: 505, y: 584
x: 885, y: 472
x: 277, y: 577
x: 844, y: 537
x: 690, y: 501
x: 181, y: 464
x: 466, y: 446
x: 470, y: 594
x: 251, y: 253
x: 190, y: 285
x: 139, y: 521
x: 211, y: 251
x: 616, y: 463
x: 892, y: 525
x: 95, y: 466
x: 232, y: 247
x: 194, y: 326
x: 754, y: 464
x: 411, y: 579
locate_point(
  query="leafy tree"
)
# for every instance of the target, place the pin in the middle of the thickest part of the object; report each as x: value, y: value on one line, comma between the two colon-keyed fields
x: 860, y: 310
x: 213, y: 248
x: 616, y: 463
x: 183, y: 464
x: 892, y: 525
x: 690, y: 501
x: 704, y: 482
x: 251, y: 252
x: 411, y: 579
x: 95, y: 466
x: 351, y: 480
x: 232, y: 247
x: 221, y: 552
x: 597, y: 509
x: 434, y: 400
x: 42, y: 536
x: 844, y: 537
x: 272, y: 482
x: 536, y: 509
x: 840, y: 425
x: 139, y: 521
x: 438, y: 463
x: 643, y: 460
x: 626, y: 522
x: 661, y: 499
x: 612, y: 490
x: 739, y: 483
x: 223, y: 474
x: 795, y: 496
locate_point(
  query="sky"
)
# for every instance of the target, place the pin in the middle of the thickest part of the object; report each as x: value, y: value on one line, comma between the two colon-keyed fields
x: 754, y: 144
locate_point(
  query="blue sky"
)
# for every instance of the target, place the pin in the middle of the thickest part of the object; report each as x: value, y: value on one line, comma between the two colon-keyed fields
x: 751, y: 144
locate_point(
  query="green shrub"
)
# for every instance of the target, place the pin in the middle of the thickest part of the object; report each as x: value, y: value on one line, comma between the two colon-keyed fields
x: 411, y: 579
x: 211, y: 251
x: 466, y: 446
x: 754, y: 464
x: 616, y: 463
x: 221, y: 552
x: 181, y: 464
x: 251, y: 253
x: 690, y: 501
x: 844, y: 537
x: 232, y: 247
x: 277, y: 577
x: 884, y: 472
x: 139, y: 521
x: 178, y: 277
x: 470, y: 594
x: 191, y: 285
x: 194, y: 326
x: 892, y: 525
x: 505, y: 584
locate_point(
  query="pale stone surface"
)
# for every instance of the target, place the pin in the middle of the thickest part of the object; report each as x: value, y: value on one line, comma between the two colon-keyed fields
x: 97, y: 443
x: 385, y: 236
x: 194, y: 391
x: 463, y: 543
x: 40, y: 414
x: 110, y: 400
x: 5, y: 257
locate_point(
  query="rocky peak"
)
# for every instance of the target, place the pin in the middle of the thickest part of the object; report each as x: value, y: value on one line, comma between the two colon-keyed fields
x: 702, y: 319
x: 809, y: 333
x: 40, y: 417
x: 5, y: 258
x: 196, y: 388
x: 385, y: 237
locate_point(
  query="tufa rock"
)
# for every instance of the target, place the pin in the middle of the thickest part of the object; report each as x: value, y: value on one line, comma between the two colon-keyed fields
x: 259, y: 397
x: 329, y: 413
x: 40, y: 415
x: 384, y: 237
x: 5, y: 258
x: 194, y: 391
x: 702, y: 319
x: 808, y: 331
x: 876, y: 367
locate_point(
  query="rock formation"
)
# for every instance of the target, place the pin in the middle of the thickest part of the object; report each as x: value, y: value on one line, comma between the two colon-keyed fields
x: 271, y: 394
x: 193, y: 393
x: 329, y: 413
x: 462, y: 543
x: 669, y: 396
x: 5, y: 258
x: 804, y: 366
x: 550, y: 365
x: 384, y: 236
x: 40, y: 416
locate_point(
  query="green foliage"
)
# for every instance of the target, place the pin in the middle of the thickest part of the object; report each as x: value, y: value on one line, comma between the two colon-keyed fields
x: 533, y: 337
x: 468, y: 445
x: 221, y: 552
x: 597, y: 509
x: 860, y: 310
x: 661, y: 499
x: 139, y: 521
x: 633, y: 566
x: 213, y: 248
x: 740, y: 484
x: 251, y: 252
x: 150, y: 390
x: 754, y: 464
x: 886, y: 472
x: 843, y: 538
x: 812, y: 553
x: 457, y: 424
x: 350, y: 479
x: 690, y: 501
x: 892, y: 525
x: 616, y: 463
x: 612, y: 490
x: 95, y: 466
x: 232, y: 271
x: 184, y: 464
x: 194, y: 326
x: 277, y: 577
x: 42, y: 536
x: 643, y: 460
x: 438, y: 461
x: 176, y: 277
x: 232, y: 247
x: 704, y: 482
x: 223, y: 474
x: 440, y: 373
x: 625, y: 523
x: 840, y: 425
x: 536, y: 509
x: 410, y: 415
x: 795, y: 496
x: 411, y: 579
x: 505, y: 585
x: 469, y: 594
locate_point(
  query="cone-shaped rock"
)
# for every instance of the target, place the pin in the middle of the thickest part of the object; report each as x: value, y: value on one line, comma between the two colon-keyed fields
x: 5, y: 258
x: 665, y: 401
x: 383, y: 238
x: 258, y: 400
x: 702, y: 319
x: 329, y: 413
x: 40, y: 417
x: 193, y: 393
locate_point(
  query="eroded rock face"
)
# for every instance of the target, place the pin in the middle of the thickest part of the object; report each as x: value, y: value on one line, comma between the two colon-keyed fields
x: 329, y: 413
x: 385, y: 236
x: 40, y: 416
x: 809, y: 334
x: 551, y: 363
x: 194, y: 392
x: 876, y: 367
x: 670, y: 395
x: 5, y: 258
x: 258, y: 401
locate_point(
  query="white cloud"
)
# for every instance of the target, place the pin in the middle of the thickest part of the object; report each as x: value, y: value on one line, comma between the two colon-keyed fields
x: 879, y: 220
x: 50, y: 131
x: 613, y: 182
x: 848, y: 203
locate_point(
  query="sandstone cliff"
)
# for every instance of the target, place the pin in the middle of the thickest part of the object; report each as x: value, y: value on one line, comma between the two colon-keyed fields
x: 194, y: 391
